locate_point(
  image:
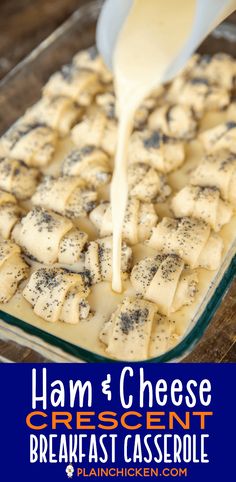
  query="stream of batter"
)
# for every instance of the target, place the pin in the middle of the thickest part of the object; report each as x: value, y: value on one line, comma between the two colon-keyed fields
x: 144, y: 51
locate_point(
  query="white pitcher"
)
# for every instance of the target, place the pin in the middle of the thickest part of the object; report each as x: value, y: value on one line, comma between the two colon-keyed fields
x: 208, y: 14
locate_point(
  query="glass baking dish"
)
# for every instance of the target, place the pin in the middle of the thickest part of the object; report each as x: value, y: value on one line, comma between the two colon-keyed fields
x: 22, y: 87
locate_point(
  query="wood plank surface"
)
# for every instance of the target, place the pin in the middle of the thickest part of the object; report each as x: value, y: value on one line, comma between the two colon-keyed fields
x: 23, y: 24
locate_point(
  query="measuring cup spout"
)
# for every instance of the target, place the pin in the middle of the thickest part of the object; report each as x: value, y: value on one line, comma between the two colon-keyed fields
x: 110, y: 21
x: 208, y: 14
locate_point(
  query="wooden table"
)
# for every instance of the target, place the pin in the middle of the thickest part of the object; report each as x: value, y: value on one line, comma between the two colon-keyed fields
x: 23, y: 24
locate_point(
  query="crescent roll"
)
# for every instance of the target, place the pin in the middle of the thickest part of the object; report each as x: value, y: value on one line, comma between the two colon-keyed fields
x: 13, y: 269
x: 31, y: 142
x: 17, y: 178
x: 190, y: 239
x: 98, y: 260
x: 69, y: 196
x: 90, y: 163
x: 96, y: 129
x: 218, y: 69
x: 56, y: 294
x: 218, y: 170
x: 89, y: 59
x: 10, y: 214
x: 165, y: 281
x: 139, y: 220
x: 162, y: 152
x: 174, y: 120
x: 198, y: 94
x: 81, y: 85
x: 59, y: 112
x: 202, y: 203
x: 127, y: 333
x: 223, y: 136
x: 49, y: 238
x: 147, y: 184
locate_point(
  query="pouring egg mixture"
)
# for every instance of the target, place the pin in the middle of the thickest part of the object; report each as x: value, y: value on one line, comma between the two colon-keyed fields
x: 112, y: 232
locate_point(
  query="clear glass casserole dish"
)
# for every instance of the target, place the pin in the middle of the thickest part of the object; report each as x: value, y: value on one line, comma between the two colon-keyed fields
x: 21, y: 88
